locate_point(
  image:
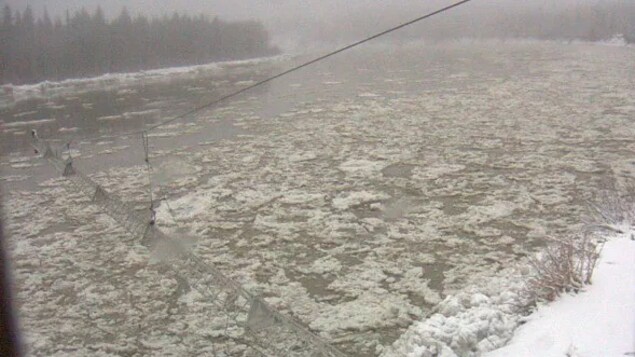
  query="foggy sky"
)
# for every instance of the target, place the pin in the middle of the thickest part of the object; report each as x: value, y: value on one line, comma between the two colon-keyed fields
x: 252, y: 9
x: 224, y: 8
x: 285, y: 19
x: 288, y: 20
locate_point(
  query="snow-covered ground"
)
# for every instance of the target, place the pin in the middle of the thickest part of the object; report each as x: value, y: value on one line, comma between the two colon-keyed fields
x: 597, y: 322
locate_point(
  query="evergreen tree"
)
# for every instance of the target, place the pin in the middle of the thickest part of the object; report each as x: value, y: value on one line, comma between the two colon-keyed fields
x: 33, y: 50
x: 6, y: 30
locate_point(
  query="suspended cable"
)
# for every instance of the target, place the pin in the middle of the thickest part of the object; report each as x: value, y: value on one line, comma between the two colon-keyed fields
x: 291, y: 70
x: 321, y: 58
x: 146, y: 150
x: 209, y: 277
x: 228, y: 295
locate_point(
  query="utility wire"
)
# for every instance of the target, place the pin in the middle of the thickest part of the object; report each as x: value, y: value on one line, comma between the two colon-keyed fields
x: 345, y: 48
x: 294, y: 69
x: 293, y: 326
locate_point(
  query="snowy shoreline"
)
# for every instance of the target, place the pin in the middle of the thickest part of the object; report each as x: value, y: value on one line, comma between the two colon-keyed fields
x: 482, y: 321
x: 52, y: 89
x: 599, y: 321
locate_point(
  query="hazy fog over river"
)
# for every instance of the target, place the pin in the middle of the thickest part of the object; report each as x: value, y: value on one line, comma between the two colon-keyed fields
x: 298, y: 25
x: 354, y: 195
x: 372, y: 185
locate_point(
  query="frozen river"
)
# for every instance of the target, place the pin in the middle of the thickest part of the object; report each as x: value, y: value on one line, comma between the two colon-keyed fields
x: 353, y: 196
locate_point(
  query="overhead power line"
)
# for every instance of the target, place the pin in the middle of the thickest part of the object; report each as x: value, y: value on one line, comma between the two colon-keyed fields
x: 294, y: 69
x: 306, y: 64
x: 266, y: 330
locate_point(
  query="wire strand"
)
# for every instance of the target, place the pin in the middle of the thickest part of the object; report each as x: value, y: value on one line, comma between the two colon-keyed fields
x: 146, y: 149
x: 286, y: 72
x: 318, y: 59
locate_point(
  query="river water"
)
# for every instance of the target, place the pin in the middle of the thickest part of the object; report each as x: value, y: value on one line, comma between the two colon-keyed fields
x: 353, y: 196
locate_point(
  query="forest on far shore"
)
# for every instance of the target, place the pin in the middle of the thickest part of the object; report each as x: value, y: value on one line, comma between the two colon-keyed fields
x: 573, y: 20
x: 84, y: 44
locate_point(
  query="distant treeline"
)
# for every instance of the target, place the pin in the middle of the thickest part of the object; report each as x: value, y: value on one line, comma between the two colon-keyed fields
x: 585, y: 21
x: 84, y: 44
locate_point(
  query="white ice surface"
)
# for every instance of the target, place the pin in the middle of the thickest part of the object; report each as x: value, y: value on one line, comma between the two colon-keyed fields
x: 478, y: 319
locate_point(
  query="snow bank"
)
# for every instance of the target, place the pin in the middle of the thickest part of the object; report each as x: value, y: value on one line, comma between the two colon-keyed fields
x: 110, y: 81
x: 617, y: 40
x: 597, y: 322
x: 478, y: 321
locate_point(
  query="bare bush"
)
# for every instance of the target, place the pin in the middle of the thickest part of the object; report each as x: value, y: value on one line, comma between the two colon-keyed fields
x: 612, y: 210
x: 566, y: 265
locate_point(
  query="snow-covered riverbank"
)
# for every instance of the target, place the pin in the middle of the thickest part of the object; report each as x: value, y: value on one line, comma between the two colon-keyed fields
x: 599, y: 321
x: 110, y: 81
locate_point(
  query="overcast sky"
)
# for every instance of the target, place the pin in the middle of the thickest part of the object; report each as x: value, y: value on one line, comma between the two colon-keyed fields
x: 234, y: 9
x: 281, y: 16
x: 287, y: 20
x: 249, y: 9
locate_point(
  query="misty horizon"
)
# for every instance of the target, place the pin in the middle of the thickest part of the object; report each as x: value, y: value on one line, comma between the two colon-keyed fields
x: 293, y: 24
